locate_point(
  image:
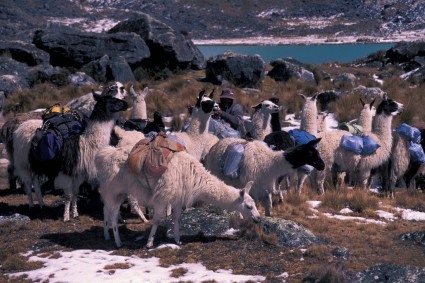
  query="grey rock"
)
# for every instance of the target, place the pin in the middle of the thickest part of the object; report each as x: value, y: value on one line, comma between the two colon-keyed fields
x: 169, y: 48
x: 344, y: 79
x: 72, y: 48
x: 284, y: 70
x: 24, y: 52
x: 119, y: 70
x: 81, y: 79
x: 48, y: 74
x: 15, y: 219
x: 369, y: 92
x: 390, y: 273
x: 290, y: 233
x: 340, y: 253
x: 405, y: 51
x: 416, y: 237
x: 240, y: 70
x: 209, y: 221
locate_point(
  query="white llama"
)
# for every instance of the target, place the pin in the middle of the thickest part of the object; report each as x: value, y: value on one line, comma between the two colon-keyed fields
x: 184, y: 182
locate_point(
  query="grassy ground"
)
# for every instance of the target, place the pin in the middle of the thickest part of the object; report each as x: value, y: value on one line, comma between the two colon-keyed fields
x: 368, y: 244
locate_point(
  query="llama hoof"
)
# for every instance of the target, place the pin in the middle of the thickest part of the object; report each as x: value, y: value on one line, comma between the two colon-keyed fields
x: 149, y: 245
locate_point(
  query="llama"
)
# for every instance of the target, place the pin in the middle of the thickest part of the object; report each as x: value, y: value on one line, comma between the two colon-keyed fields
x: 360, y: 166
x: 330, y: 142
x: 263, y: 165
x: 196, y: 138
x: 115, y: 89
x: 260, y: 124
x: 78, y: 152
x: 138, y: 110
x: 6, y: 136
x: 309, y: 114
x: 184, y: 182
x: 365, y: 122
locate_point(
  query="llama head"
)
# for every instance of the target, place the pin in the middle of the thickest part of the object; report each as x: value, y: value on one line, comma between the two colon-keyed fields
x: 115, y: 89
x: 305, y: 154
x: 107, y: 105
x: 246, y: 205
x: 369, y: 107
x: 206, y: 103
x: 267, y: 107
x: 139, y: 97
x: 389, y: 107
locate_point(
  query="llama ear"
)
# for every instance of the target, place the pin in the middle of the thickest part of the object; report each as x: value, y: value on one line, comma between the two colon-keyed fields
x: 145, y: 91
x: 132, y: 91
x: 247, y: 188
x: 258, y: 106
x: 371, y: 104
x: 212, y: 94
x: 200, y: 95
x: 385, y: 97
x: 303, y: 96
x: 362, y: 102
x: 314, y: 97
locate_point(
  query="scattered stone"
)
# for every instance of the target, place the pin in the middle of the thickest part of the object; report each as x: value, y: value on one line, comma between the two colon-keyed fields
x: 340, y: 253
x: 417, y: 237
x: 15, y: 219
x: 390, y: 273
x: 290, y: 233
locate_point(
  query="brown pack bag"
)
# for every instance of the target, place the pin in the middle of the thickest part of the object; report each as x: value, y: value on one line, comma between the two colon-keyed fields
x: 151, y: 157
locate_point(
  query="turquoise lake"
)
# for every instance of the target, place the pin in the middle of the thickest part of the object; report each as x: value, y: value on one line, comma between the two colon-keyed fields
x: 308, y: 54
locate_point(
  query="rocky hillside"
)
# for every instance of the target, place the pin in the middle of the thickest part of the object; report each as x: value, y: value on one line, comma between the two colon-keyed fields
x: 248, y: 18
x: 211, y: 19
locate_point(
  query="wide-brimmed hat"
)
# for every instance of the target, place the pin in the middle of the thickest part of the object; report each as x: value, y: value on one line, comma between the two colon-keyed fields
x: 227, y: 93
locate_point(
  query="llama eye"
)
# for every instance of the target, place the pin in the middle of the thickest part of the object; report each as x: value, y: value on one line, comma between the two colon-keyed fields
x: 249, y: 206
x: 122, y: 88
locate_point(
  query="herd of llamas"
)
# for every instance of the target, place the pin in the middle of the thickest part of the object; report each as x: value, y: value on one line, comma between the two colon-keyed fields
x: 270, y: 157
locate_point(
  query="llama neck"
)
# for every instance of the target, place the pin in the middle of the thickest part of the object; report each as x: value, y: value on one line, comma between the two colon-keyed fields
x: 309, y: 118
x: 222, y: 196
x: 365, y: 120
x: 382, y: 127
x: 199, y: 124
x: 139, y: 109
x: 98, y: 133
x: 261, y: 125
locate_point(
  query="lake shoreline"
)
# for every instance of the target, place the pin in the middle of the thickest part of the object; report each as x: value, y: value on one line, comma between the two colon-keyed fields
x: 313, y: 40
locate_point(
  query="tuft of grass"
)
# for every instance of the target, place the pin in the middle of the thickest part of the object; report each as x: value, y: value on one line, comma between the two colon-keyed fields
x: 358, y: 201
x: 17, y: 262
x: 410, y: 199
x: 325, y: 273
x: 177, y: 272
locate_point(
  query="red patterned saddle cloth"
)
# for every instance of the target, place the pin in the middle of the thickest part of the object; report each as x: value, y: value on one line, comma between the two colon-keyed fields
x: 151, y: 157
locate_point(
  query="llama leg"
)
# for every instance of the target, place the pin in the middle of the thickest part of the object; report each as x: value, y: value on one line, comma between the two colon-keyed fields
x: 320, y: 180
x: 106, y: 222
x: 268, y: 204
x: 176, y: 218
x: 37, y: 190
x: 67, y: 207
x: 301, y: 177
x: 113, y: 217
x: 11, y: 177
x: 28, y: 190
x: 135, y: 207
x: 75, y: 190
x: 158, y: 215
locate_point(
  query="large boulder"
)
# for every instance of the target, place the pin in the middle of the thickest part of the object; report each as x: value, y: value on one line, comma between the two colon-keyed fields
x: 169, y: 48
x: 405, y: 52
x: 24, y: 52
x: 238, y: 69
x: 71, y: 48
x: 109, y: 69
x: 48, y: 74
x: 283, y: 70
x: 13, y: 75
